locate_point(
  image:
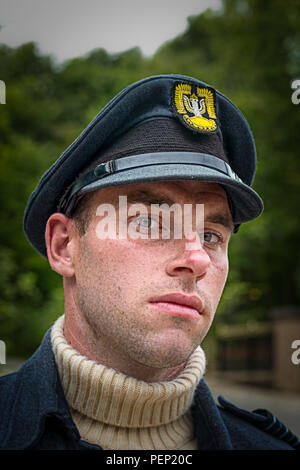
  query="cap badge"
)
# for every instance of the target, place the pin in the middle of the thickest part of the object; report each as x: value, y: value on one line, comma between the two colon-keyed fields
x: 196, y: 107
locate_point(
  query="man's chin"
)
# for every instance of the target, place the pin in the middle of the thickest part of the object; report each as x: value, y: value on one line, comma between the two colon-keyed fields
x: 170, y: 354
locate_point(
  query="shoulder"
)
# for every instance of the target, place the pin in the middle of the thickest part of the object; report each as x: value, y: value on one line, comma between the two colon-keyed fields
x: 258, y: 429
x: 8, y: 386
x: 30, y: 396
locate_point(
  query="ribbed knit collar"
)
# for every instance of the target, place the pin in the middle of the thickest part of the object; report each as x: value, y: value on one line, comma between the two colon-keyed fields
x: 112, y: 398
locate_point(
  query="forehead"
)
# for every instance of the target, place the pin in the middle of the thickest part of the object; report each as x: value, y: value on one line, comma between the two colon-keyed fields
x: 175, y: 190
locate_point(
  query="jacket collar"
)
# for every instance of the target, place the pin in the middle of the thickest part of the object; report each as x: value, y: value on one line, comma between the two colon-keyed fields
x: 38, y: 394
x: 210, y: 429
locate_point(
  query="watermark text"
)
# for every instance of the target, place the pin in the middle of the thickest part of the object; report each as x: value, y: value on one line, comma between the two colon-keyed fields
x: 2, y: 92
x: 2, y: 352
x: 296, y: 94
x: 296, y: 354
x: 157, y: 222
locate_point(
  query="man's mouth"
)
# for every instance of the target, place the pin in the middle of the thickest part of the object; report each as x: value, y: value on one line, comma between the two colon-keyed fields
x: 179, y: 304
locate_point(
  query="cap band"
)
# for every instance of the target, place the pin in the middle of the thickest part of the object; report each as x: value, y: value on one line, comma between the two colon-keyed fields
x: 137, y: 161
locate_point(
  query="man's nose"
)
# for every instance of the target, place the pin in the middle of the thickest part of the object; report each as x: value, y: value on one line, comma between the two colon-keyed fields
x: 192, y: 261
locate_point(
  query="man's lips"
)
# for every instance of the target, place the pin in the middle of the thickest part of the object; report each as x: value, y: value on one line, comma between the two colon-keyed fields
x: 178, y: 300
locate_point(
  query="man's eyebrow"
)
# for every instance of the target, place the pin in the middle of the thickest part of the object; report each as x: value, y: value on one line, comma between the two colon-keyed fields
x: 221, y: 219
x: 148, y: 198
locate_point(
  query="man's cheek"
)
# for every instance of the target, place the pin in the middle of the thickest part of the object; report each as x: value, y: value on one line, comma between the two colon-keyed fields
x: 219, y: 278
x: 222, y: 269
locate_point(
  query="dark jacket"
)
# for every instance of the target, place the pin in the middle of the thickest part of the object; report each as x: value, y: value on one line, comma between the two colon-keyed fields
x: 34, y: 414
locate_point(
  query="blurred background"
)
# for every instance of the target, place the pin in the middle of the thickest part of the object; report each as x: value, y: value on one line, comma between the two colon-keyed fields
x: 61, y: 62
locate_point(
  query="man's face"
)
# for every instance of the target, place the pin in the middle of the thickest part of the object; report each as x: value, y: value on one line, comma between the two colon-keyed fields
x: 117, y: 280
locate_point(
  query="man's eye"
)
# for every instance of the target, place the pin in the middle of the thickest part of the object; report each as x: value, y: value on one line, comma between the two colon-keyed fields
x: 146, y: 222
x: 211, y: 238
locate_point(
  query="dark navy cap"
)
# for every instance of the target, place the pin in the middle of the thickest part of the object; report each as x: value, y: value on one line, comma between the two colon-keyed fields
x: 166, y: 127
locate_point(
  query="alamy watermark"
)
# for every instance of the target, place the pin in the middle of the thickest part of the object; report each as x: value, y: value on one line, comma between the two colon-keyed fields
x: 295, y: 85
x: 2, y: 92
x: 296, y: 354
x: 161, y: 222
x: 2, y: 352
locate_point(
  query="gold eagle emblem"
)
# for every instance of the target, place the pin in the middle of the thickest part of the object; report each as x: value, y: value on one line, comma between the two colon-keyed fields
x: 197, y: 109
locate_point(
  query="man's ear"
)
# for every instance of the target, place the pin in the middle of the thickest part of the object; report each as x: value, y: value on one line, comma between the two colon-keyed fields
x: 59, y: 242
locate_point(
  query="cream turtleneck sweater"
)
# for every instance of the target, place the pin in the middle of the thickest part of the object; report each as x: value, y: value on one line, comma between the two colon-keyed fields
x: 120, y: 412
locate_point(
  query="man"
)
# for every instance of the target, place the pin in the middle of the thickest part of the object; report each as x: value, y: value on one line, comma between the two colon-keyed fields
x: 117, y: 217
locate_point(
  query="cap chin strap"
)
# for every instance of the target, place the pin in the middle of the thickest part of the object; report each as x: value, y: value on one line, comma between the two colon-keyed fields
x: 139, y: 161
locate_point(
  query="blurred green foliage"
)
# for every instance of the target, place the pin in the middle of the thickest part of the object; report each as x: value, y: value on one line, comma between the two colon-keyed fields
x: 250, y: 50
